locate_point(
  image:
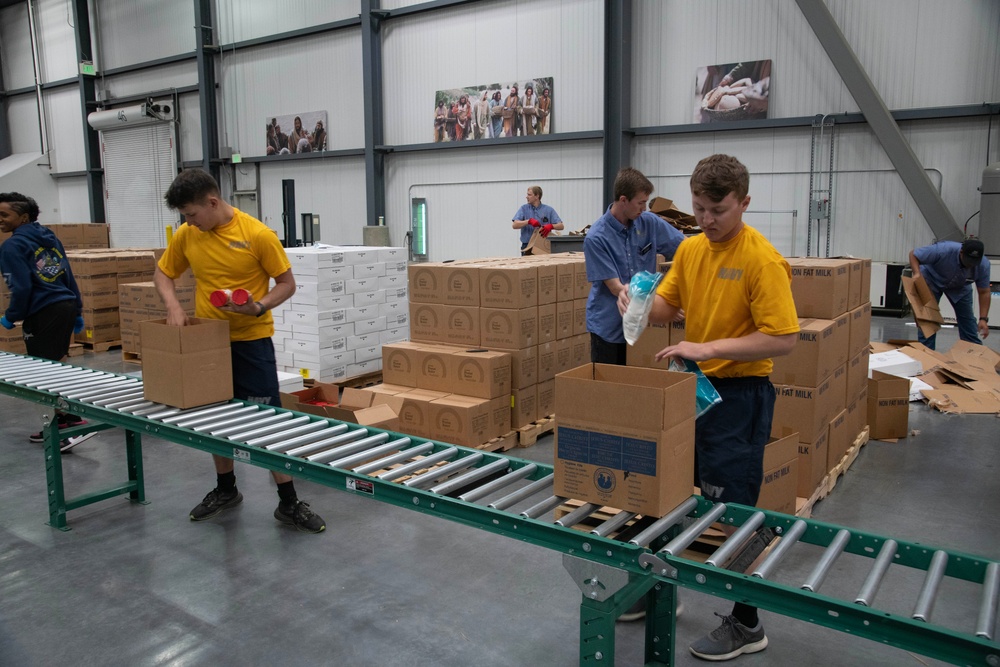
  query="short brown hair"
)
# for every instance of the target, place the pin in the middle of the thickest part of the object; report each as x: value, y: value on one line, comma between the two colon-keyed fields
x: 191, y: 186
x: 718, y: 175
x: 536, y: 190
x: 629, y: 182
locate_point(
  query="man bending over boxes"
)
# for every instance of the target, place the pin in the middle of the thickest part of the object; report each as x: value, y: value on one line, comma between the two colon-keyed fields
x: 227, y: 248
x: 735, y: 290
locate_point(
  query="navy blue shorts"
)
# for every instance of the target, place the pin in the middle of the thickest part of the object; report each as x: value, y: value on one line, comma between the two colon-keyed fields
x: 255, y: 373
x: 730, y: 440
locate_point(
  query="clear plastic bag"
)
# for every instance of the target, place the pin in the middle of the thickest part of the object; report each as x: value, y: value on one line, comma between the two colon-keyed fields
x: 642, y: 293
x: 705, y: 394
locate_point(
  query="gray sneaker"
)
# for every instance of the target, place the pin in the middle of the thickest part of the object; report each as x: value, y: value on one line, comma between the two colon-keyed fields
x: 729, y: 640
x: 215, y: 502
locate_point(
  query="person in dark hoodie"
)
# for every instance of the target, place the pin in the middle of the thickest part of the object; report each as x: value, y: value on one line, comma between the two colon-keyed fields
x: 44, y: 296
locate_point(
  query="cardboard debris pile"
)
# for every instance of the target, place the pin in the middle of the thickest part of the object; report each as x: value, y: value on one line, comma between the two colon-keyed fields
x: 963, y: 381
x: 665, y: 208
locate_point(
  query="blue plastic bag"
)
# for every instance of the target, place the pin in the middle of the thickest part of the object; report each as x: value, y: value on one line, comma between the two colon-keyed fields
x: 705, y: 394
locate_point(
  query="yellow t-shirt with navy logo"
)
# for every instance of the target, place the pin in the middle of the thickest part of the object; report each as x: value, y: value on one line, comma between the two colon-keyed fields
x: 730, y: 290
x: 242, y: 253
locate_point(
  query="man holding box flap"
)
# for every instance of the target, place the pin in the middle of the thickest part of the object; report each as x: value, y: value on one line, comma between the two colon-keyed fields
x: 735, y: 290
x: 951, y: 268
x: 623, y: 242
x: 535, y: 215
x: 226, y: 249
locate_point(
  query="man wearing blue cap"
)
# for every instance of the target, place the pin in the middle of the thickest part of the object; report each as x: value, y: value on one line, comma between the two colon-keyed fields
x: 950, y: 268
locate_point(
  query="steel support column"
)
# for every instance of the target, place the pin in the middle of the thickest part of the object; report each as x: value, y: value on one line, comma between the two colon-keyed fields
x: 4, y: 128
x: 617, y: 91
x: 919, y: 185
x: 206, y: 48
x: 88, y: 95
x: 371, y: 48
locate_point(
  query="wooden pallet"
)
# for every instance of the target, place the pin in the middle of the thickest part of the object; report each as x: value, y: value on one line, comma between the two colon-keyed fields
x: 75, y: 350
x: 528, y: 435
x: 131, y: 357
x: 360, y: 381
x: 501, y: 443
x: 804, y: 506
x: 102, y: 346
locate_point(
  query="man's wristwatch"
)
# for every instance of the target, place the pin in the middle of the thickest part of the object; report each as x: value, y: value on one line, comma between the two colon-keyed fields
x: 263, y: 308
x: 985, y: 319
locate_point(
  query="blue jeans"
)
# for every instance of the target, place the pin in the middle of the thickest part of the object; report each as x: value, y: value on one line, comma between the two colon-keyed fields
x: 968, y: 329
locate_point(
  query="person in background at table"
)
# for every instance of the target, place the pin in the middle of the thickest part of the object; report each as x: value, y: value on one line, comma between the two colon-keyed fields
x: 736, y: 292
x: 227, y: 248
x: 535, y: 215
x: 44, y: 296
x: 624, y: 241
x: 951, y: 268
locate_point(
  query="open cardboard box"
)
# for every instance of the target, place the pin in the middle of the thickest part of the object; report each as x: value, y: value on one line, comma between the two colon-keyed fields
x: 924, y: 305
x: 357, y: 406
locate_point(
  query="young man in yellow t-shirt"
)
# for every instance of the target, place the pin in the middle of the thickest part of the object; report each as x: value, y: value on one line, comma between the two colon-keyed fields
x: 228, y: 249
x: 735, y: 291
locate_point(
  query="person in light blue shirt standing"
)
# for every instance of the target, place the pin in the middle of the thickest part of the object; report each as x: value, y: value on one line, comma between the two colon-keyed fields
x: 535, y: 215
x: 951, y: 268
x: 624, y: 241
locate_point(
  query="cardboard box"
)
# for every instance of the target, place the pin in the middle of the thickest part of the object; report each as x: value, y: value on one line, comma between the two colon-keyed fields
x: 840, y: 439
x: 636, y: 452
x: 581, y: 350
x: 451, y: 284
x: 654, y: 338
x: 857, y: 415
x: 481, y: 373
x: 547, y: 361
x: 100, y: 333
x: 523, y: 406
x: 546, y: 398
x: 888, y: 406
x: 855, y: 297
x: 781, y: 469
x: 461, y: 420
x: 508, y: 286
x: 820, y: 287
x: 925, y: 307
x: 579, y: 317
x: 185, y: 367
x: 508, y: 329
x: 547, y: 279
x: 523, y: 367
x: 812, y: 462
x: 565, y: 281
x: 538, y: 244
x: 457, y: 325
x: 860, y: 329
x: 546, y: 323
x: 93, y: 318
x: 355, y: 405
x: 414, y: 411
x: 857, y: 377
x: 401, y: 363
x: 564, y: 355
x: 565, y: 312
x: 12, y: 340
x: 582, y: 284
x: 808, y: 410
x: 821, y: 348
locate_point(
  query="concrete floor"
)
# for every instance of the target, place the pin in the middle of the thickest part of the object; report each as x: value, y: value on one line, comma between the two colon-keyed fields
x: 142, y: 585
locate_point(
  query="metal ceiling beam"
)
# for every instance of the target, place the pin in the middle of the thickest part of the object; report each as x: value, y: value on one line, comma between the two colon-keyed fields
x: 617, y: 91
x: 88, y: 95
x: 206, y: 48
x: 919, y: 185
x: 4, y: 127
x: 371, y: 60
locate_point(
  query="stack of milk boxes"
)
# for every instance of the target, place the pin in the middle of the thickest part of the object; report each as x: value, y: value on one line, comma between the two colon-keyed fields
x: 348, y: 302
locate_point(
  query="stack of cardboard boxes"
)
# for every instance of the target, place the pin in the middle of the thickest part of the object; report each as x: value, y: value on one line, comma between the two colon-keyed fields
x: 349, y: 301
x: 531, y: 308
x: 821, y: 386
x: 99, y: 273
x: 11, y: 340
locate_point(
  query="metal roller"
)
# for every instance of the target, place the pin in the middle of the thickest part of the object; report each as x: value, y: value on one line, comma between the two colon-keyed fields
x: 988, y: 604
x: 19, y: 375
x: 577, y: 515
x: 525, y: 492
x: 142, y: 405
x: 473, y: 475
x: 419, y: 464
x: 541, y: 508
x: 689, y: 535
x: 291, y: 447
x: 113, y: 396
x: 98, y: 389
x: 736, y: 540
x: 56, y: 378
x: 103, y: 392
x: 125, y: 401
x: 830, y: 556
x: 255, y: 424
x: 778, y: 553
x: 375, y: 452
x: 235, y: 409
x: 156, y: 407
x: 351, y: 448
x: 188, y: 413
x: 874, y: 580
x: 89, y: 380
x: 308, y: 427
x: 928, y: 594
x: 393, y: 459
x: 290, y: 421
x: 424, y: 480
x: 613, y: 524
x: 497, y: 484
x: 188, y: 420
x: 241, y: 420
x: 646, y: 537
x: 26, y: 378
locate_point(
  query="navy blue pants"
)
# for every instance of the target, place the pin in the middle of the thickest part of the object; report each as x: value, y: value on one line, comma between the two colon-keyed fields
x: 730, y: 440
x: 48, y: 333
x: 255, y: 372
x: 603, y: 352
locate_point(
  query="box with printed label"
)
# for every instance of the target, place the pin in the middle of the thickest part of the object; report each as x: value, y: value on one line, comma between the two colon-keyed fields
x: 857, y: 377
x: 414, y: 413
x: 820, y: 287
x: 394, y: 335
x: 546, y: 398
x: 547, y: 283
x: 812, y: 463
x: 581, y: 350
x: 637, y: 452
x: 821, y: 347
x: 449, y: 284
x: 523, y: 406
x: 188, y: 366
x: 564, y: 319
x: 860, y: 329
x: 392, y: 254
x: 579, y: 317
x: 87, y: 264
x: 508, y: 286
x: 461, y: 420
x: 781, y: 475
x: 546, y: 323
x: 401, y: 363
x: 392, y: 281
x: 369, y: 270
x: 653, y: 338
x: 564, y: 355
x: 546, y: 361
x: 840, y: 439
x: 565, y: 281
x: 523, y: 367
x: 888, y: 406
x: 582, y: 284
x: 439, y: 323
x: 807, y: 410
x: 857, y: 413
x: 508, y: 329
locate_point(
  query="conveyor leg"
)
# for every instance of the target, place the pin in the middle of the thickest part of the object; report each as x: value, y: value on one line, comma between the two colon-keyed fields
x: 661, y: 621
x: 54, y: 477
x: 597, y: 632
x: 133, y: 454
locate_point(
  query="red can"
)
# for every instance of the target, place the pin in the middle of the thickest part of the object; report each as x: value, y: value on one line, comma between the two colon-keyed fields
x: 240, y: 296
x: 220, y: 297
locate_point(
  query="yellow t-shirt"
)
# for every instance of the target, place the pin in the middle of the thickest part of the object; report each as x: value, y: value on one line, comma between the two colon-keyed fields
x: 730, y: 290
x: 243, y: 252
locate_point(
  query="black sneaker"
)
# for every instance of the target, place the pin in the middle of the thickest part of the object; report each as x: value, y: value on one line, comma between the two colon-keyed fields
x: 729, y: 640
x: 69, y: 443
x: 299, y: 515
x: 215, y: 502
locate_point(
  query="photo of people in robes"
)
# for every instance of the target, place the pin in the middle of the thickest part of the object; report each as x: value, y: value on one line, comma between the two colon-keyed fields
x: 296, y: 133
x: 493, y: 111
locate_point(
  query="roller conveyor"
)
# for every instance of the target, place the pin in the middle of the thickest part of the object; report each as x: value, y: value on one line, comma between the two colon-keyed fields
x: 513, y: 497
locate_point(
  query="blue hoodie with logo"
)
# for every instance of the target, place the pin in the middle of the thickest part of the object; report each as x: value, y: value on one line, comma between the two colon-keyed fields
x: 37, y: 273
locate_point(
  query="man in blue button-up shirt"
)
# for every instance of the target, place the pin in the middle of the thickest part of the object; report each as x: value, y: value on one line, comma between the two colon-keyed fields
x: 535, y: 215
x: 624, y: 241
x: 951, y: 268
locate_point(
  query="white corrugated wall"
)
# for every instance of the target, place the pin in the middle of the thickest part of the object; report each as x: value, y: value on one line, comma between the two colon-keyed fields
x: 240, y: 20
